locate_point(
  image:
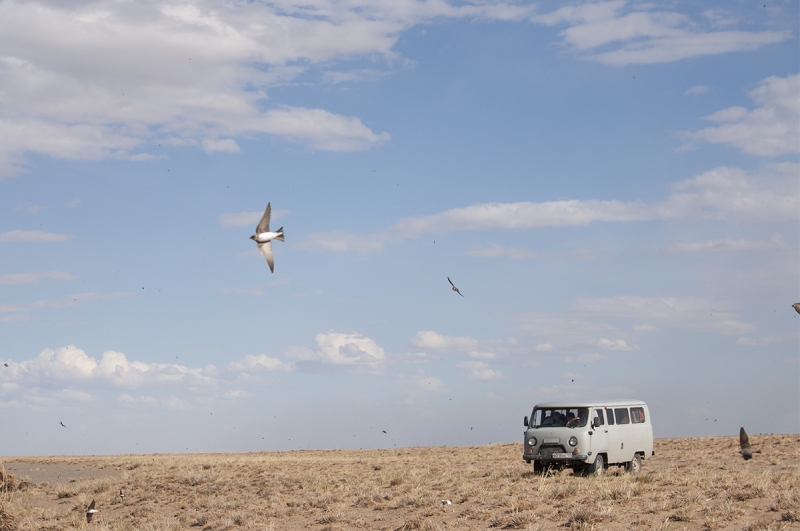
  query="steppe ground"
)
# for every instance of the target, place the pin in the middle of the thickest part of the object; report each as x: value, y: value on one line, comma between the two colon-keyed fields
x: 691, y: 483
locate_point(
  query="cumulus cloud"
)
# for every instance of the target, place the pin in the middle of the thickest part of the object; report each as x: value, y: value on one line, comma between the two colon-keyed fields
x: 770, y: 129
x: 108, y: 79
x: 479, y: 370
x: 484, y: 349
x: 73, y: 365
x: 616, y: 35
x: 615, y: 344
x: 33, y: 277
x: 351, y: 350
x: 722, y: 193
x: 32, y: 236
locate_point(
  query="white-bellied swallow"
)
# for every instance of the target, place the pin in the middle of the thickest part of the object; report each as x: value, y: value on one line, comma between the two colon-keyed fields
x: 263, y: 237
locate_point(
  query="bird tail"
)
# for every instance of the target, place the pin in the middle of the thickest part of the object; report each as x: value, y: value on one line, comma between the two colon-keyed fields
x: 280, y: 234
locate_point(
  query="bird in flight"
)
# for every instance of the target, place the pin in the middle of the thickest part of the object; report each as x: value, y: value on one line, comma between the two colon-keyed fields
x: 454, y: 286
x: 5, y: 364
x: 263, y: 237
x: 90, y: 512
x: 796, y: 307
x: 62, y: 423
x: 744, y: 443
x: 121, y: 496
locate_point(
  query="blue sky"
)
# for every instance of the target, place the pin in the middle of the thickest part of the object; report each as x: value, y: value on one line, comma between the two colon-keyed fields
x: 614, y: 187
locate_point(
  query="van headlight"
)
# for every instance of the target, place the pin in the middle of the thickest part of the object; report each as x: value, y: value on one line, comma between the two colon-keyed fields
x: 532, y: 441
x: 573, y: 441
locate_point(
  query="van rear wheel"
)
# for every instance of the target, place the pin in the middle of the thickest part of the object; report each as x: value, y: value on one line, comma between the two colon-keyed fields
x: 596, y: 468
x: 635, y: 465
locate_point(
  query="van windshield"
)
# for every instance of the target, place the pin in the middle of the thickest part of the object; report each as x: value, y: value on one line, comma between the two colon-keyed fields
x: 571, y: 417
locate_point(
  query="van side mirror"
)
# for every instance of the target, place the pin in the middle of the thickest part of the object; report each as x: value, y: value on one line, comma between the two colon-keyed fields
x: 526, y: 421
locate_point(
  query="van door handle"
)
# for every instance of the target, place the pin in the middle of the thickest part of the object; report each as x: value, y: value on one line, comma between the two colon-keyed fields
x: 605, y: 431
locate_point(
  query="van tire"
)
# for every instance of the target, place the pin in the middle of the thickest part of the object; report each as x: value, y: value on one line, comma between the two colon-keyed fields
x: 635, y: 465
x: 598, y: 467
x: 538, y: 468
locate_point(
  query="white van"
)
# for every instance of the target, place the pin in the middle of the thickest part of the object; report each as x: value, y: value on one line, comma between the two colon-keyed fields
x: 588, y: 436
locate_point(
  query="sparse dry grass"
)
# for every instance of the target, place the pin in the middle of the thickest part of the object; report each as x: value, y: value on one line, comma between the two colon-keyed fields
x: 690, y: 484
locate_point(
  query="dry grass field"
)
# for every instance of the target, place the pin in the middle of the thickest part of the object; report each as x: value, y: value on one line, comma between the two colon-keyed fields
x: 692, y: 484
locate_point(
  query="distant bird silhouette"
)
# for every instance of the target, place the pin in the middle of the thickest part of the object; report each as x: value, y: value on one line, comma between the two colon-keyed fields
x: 90, y: 512
x: 5, y: 364
x: 796, y: 307
x: 454, y: 286
x: 744, y: 443
x: 384, y: 431
x: 121, y: 496
x: 62, y: 423
x: 263, y: 237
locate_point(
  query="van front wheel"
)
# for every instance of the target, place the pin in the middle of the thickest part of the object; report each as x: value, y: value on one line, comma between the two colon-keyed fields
x: 635, y: 465
x: 596, y: 468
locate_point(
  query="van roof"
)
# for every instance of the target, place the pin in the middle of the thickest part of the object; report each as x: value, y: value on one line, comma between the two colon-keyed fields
x: 594, y: 403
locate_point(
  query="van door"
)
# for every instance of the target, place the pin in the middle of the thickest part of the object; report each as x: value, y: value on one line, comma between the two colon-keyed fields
x: 615, y: 440
x: 626, y: 444
x: 598, y: 442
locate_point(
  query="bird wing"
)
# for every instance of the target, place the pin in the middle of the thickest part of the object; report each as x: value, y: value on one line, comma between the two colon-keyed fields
x: 91, y: 506
x: 451, y: 282
x: 266, y: 252
x: 744, y: 441
x: 263, y: 225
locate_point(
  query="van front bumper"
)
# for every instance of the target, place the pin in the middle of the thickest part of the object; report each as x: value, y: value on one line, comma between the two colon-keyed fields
x: 555, y: 458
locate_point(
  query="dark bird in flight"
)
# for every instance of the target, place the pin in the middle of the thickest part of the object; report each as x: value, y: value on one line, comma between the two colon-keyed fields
x: 384, y: 431
x: 121, y: 496
x: 796, y: 307
x: 744, y: 443
x: 62, y: 423
x: 5, y: 364
x: 90, y: 512
x: 263, y: 237
x: 454, y: 286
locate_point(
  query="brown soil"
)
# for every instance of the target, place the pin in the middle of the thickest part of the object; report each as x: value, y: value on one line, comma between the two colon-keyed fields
x: 690, y: 484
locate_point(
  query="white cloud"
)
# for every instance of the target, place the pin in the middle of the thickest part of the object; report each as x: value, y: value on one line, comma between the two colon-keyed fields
x: 773, y: 244
x: 342, y: 349
x: 33, y: 277
x: 691, y: 312
x: 645, y: 328
x: 640, y: 35
x: 260, y: 363
x: 248, y: 219
x: 722, y: 193
x: 544, y: 347
x: 29, y: 236
x: 73, y: 365
x: 423, y: 382
x: 479, y: 370
x: 108, y: 79
x: 695, y: 90
x: 618, y: 344
x: 30, y: 209
x: 429, y: 340
x: 771, y: 129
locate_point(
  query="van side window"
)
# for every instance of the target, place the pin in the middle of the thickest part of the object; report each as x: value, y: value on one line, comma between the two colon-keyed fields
x: 598, y: 415
x: 637, y: 415
x: 610, y: 415
x: 622, y: 415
